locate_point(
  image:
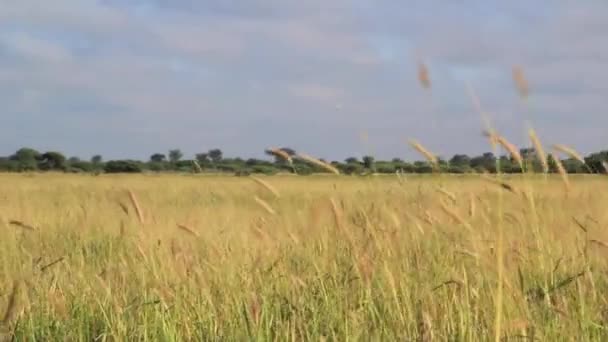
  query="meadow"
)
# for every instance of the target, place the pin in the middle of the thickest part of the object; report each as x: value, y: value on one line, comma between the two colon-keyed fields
x: 315, y: 258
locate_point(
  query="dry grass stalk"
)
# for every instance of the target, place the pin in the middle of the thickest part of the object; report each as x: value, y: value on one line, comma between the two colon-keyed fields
x: 454, y: 215
x: 188, y: 230
x: 509, y: 147
x: 267, y: 186
x: 255, y: 307
x: 281, y: 154
x: 520, y: 81
x: 540, y: 152
x: 20, y: 224
x: 562, y: 172
x: 450, y: 195
x: 426, y: 153
x: 335, y: 209
x: 124, y: 208
x: 599, y: 243
x: 197, y: 167
x: 135, y: 204
x: 319, y: 163
x: 58, y: 302
x: 264, y: 205
x: 366, y: 267
x: 471, y: 206
x: 502, y: 184
x: 13, y: 309
x: 423, y: 76
x: 293, y: 237
x: 569, y: 152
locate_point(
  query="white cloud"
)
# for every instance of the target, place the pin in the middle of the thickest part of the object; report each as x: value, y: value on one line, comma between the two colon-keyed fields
x: 31, y: 48
x: 313, y: 74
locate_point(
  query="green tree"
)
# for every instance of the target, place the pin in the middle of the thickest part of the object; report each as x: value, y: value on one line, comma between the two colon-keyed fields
x: 596, y: 161
x: 368, y: 162
x: 96, y: 159
x: 352, y: 160
x: 216, y: 155
x: 486, y: 161
x: 422, y: 167
x: 351, y: 168
x: 202, y: 158
x: 158, y: 158
x: 26, y: 158
x: 175, y: 155
x: 81, y: 166
x: 53, y: 161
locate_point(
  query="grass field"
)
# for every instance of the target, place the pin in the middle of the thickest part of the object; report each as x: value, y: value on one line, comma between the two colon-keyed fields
x: 322, y: 258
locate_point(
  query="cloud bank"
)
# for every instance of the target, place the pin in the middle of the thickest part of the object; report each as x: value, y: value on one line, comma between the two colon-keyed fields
x: 130, y: 78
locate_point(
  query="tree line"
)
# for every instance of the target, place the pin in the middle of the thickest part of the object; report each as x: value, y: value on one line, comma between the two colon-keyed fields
x: 28, y: 160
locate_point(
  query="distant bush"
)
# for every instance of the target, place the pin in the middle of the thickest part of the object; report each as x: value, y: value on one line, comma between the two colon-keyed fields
x: 242, y: 173
x: 268, y: 170
x: 122, y: 166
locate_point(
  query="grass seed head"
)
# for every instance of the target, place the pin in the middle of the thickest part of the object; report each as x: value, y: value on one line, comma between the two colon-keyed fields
x: 540, y: 151
x: 430, y: 157
x: 423, y: 76
x: 319, y: 163
x: 266, y: 186
x: 520, y: 81
x: 569, y: 151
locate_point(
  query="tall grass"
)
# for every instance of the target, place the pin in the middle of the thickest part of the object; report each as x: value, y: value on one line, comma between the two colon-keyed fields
x: 336, y: 259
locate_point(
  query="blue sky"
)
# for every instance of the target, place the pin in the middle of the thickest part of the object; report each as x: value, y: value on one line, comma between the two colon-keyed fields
x: 133, y: 77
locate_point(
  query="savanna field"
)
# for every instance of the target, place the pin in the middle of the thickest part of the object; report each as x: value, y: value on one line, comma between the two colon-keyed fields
x: 315, y: 258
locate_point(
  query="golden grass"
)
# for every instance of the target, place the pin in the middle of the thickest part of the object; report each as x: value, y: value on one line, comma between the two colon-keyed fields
x: 336, y: 258
x: 540, y: 151
x: 428, y: 155
x: 281, y: 154
x: 319, y: 163
x: 569, y: 151
x: 506, y: 145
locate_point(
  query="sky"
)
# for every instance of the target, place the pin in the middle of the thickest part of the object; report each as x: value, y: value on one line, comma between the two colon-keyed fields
x: 334, y: 79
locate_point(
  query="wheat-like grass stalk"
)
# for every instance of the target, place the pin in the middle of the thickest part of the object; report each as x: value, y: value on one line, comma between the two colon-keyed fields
x: 562, y: 172
x: 137, y: 207
x: 196, y: 166
x: 472, y: 206
x: 502, y: 184
x: 430, y: 157
x: 454, y: 215
x: 508, y: 146
x: 124, y: 208
x: 540, y: 152
x: 267, y: 186
x: 448, y: 194
x: 281, y: 154
x: 521, y: 83
x: 569, y: 151
x: 23, y: 225
x: 337, y: 214
x: 188, y: 230
x: 423, y: 76
x: 319, y: 163
x: 264, y: 205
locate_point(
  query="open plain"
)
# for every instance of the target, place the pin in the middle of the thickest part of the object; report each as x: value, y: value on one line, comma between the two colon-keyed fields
x: 190, y: 257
